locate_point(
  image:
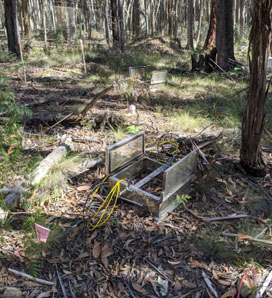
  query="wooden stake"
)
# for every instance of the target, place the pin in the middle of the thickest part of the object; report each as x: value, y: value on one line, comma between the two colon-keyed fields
x: 83, y: 56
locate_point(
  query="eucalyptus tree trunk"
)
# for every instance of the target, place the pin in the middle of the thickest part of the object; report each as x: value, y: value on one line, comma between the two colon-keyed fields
x: 146, y: 19
x: 11, y: 22
x: 25, y: 17
x: 114, y: 22
x: 224, y: 33
x: 171, y: 18
x: 52, y: 16
x: 242, y: 16
x: 251, y: 157
x: 237, y: 12
x: 210, y: 39
x: 190, y: 20
x: 107, y: 28
x: 71, y: 24
x: 121, y: 25
x: 43, y: 12
x: 136, y: 18
x: 200, y: 21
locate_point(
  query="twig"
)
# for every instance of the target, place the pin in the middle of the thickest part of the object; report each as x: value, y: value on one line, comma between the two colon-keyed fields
x: 158, y: 270
x: 265, y: 285
x: 210, y: 219
x: 71, y: 290
x: 201, y: 153
x: 249, y: 238
x: 61, y: 284
x: 222, y: 70
x: 235, y: 62
x: 38, y: 280
x: 209, y: 284
x: 129, y: 289
x: 268, y: 133
x: 63, y: 119
x: 262, y: 233
x: 203, y: 130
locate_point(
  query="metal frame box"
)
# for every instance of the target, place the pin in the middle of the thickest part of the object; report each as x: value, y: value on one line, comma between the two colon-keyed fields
x: 127, y: 160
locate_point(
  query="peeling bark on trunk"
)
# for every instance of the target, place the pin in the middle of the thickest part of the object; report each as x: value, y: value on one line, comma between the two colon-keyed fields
x: 25, y: 16
x: 251, y: 157
x: 210, y: 39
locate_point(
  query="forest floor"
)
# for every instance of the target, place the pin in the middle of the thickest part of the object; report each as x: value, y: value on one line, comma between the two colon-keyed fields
x: 132, y: 255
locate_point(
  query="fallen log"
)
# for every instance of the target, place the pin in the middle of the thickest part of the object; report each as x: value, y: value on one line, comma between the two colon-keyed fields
x: 36, y: 176
x: 42, y: 170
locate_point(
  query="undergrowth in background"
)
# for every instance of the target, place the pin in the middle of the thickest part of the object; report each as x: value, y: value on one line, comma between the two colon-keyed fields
x: 11, y: 114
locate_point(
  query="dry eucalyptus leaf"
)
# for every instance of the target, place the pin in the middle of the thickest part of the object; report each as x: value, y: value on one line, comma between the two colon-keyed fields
x: 139, y: 288
x: 229, y: 293
x: 96, y: 250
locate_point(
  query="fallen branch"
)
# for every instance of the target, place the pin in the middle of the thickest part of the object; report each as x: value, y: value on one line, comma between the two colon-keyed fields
x: 248, y: 238
x: 61, y: 283
x: 97, y: 97
x: 38, y: 280
x: 158, y: 270
x: 209, y: 284
x: 210, y: 219
x: 268, y: 133
x: 264, y: 286
x: 86, y: 109
x: 222, y: 70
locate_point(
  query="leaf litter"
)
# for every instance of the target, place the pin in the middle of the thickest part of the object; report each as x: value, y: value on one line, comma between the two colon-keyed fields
x: 132, y: 255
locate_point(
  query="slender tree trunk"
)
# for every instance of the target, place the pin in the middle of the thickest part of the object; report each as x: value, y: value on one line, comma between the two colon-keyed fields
x: 210, y: 39
x: 171, y: 16
x: 114, y: 21
x: 242, y: 16
x: 71, y: 20
x: 107, y: 28
x: 190, y: 21
x: 145, y: 14
x: 43, y: 9
x: 224, y: 33
x: 251, y: 157
x: 12, y: 27
x: 136, y: 18
x: 25, y: 16
x: 52, y: 16
x: 121, y: 25
x: 200, y: 21
x: 237, y: 12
